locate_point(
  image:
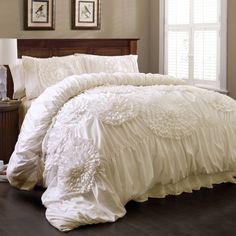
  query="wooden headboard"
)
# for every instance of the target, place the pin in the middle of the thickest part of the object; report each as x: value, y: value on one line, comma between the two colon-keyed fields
x: 61, y: 47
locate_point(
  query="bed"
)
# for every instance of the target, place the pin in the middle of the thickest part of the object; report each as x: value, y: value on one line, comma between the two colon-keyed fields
x: 45, y: 48
x: 97, y: 140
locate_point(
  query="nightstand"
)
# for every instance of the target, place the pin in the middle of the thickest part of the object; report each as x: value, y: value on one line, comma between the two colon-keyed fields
x: 9, y: 128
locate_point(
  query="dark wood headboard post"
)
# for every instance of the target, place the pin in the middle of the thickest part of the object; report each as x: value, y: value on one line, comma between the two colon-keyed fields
x: 10, y: 85
x: 133, y: 46
x: 44, y: 48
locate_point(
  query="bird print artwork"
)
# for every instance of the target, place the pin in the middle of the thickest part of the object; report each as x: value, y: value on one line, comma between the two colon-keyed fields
x: 40, y: 11
x: 86, y: 12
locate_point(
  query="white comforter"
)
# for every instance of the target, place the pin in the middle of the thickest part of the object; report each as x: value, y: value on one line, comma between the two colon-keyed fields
x: 125, y: 136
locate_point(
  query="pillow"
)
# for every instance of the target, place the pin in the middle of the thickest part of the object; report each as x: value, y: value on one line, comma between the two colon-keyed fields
x: 42, y: 73
x: 109, y: 64
x: 18, y: 79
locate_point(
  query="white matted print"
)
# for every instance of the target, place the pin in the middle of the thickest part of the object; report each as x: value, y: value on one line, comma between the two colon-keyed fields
x: 86, y: 14
x: 39, y: 14
x: 40, y: 11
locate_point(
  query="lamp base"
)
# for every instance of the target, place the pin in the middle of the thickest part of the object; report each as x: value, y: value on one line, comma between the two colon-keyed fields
x: 3, y: 82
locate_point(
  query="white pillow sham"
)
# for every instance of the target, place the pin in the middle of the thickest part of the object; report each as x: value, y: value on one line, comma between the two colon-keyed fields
x: 18, y: 79
x: 109, y: 64
x: 42, y: 73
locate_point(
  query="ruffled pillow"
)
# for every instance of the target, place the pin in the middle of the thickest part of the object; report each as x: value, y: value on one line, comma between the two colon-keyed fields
x: 109, y: 64
x: 18, y: 79
x: 42, y: 73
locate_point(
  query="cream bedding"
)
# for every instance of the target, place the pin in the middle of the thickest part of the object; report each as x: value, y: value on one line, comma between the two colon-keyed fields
x: 24, y: 107
x: 97, y: 141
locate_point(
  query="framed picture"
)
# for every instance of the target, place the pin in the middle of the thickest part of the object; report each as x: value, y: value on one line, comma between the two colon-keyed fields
x: 86, y: 14
x: 39, y: 14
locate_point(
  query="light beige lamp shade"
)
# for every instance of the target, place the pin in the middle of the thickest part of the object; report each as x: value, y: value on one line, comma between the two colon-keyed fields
x: 8, y: 51
x: 8, y: 55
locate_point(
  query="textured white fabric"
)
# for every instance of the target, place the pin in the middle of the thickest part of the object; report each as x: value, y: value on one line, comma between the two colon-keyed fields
x: 108, y: 64
x: 125, y: 136
x: 24, y: 107
x: 18, y: 79
x: 41, y: 73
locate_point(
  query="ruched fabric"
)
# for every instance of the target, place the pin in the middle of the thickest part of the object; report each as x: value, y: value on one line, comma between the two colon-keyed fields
x: 97, y: 141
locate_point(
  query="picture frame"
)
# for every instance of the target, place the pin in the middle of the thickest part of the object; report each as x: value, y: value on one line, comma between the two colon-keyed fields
x: 86, y: 14
x: 39, y: 14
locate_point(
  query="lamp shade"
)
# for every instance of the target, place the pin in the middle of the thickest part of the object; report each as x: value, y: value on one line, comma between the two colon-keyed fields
x: 8, y: 51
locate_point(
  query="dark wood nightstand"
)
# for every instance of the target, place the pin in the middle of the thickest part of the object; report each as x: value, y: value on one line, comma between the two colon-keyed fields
x: 9, y: 128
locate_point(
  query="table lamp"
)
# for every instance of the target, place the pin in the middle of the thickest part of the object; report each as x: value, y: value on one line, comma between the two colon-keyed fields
x: 8, y: 55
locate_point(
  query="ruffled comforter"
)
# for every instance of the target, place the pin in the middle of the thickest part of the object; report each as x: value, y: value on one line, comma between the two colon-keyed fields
x: 97, y: 141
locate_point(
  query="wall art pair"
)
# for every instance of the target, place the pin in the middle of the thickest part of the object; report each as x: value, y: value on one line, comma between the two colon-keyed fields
x: 41, y: 14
